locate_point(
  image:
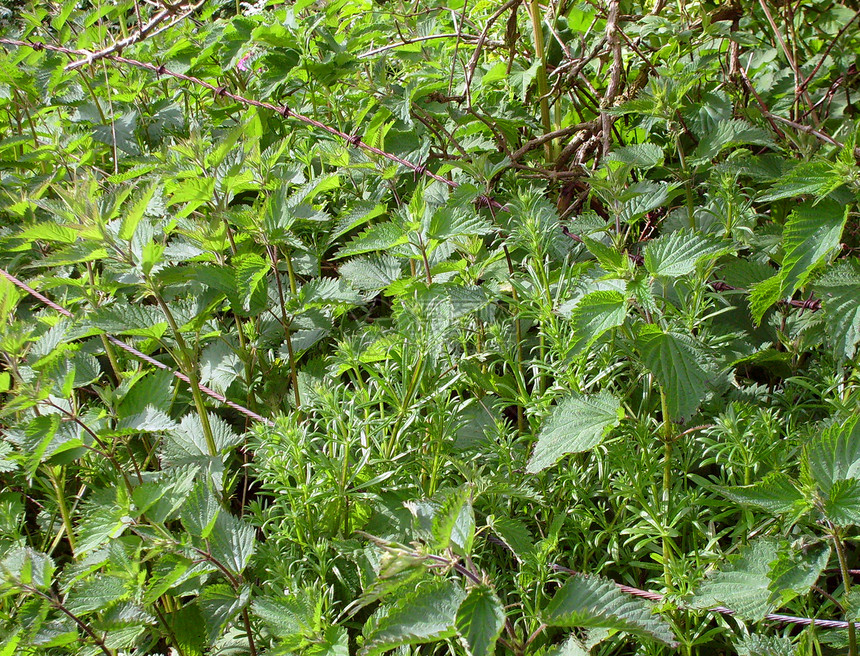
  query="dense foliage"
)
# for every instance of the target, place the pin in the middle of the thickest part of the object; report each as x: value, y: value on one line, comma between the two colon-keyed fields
x: 485, y: 316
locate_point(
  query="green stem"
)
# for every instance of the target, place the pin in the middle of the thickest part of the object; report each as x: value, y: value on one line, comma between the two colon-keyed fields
x: 187, y: 364
x: 57, y: 477
x: 543, y: 87
x: 846, y: 583
x: 667, y: 485
x: 688, y: 182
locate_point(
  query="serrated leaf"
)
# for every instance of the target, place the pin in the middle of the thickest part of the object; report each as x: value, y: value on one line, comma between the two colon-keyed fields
x: 200, y: 511
x: 292, y: 618
x: 516, y: 537
x: 677, y: 362
x: 842, y: 503
x: 219, y: 603
x: 594, y: 315
x: 426, y: 614
x: 640, y: 156
x: 220, y: 365
x: 27, y: 566
x: 839, y: 291
x: 776, y: 494
x: 592, y: 601
x: 805, y: 178
x: 742, y: 583
x: 794, y: 572
x: 479, y: 620
x: 678, y: 253
x: 763, y: 295
x: 371, y: 273
x: 453, y: 523
x: 835, y: 456
x: 95, y: 593
x: 379, y: 237
x: 232, y: 542
x: 128, y: 319
x: 811, y: 233
x: 250, y: 270
x: 730, y: 132
x: 577, y: 424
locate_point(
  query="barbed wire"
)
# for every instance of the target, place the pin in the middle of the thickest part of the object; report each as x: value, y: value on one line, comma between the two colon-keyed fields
x: 722, y: 610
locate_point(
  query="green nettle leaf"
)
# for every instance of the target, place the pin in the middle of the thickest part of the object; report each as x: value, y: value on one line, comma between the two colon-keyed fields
x: 379, y: 237
x: 595, y: 314
x: 640, y: 156
x: 453, y: 522
x: 27, y: 566
x: 219, y: 603
x: 776, y: 494
x: 371, y: 273
x: 763, y: 295
x: 426, y: 614
x: 480, y: 619
x: 232, y: 542
x: 794, y: 572
x: 291, y: 618
x: 839, y: 291
x: 220, y: 365
x: 127, y: 319
x: 578, y: 423
x: 742, y: 584
x: 805, y: 178
x: 677, y: 362
x: 678, y: 253
x: 835, y: 456
x: 515, y: 535
x: 842, y: 503
x: 811, y: 234
x: 96, y: 593
x: 758, y: 644
x: 251, y: 270
x: 200, y: 510
x: 592, y: 601
x: 731, y: 132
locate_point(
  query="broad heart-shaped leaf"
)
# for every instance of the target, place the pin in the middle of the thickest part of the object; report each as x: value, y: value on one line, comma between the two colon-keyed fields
x: 515, y: 535
x: 592, y: 601
x: 813, y: 230
x: 453, y: 522
x: 577, y: 424
x: 742, y: 584
x: 95, y: 593
x: 795, y: 571
x: 805, y: 178
x: 292, y: 618
x: 776, y: 494
x: 480, y: 619
x: 678, y: 253
x: 250, y: 270
x: 676, y: 361
x: 839, y: 291
x: 232, y: 542
x: 595, y: 314
x: 730, y: 132
x: 426, y: 614
x: 219, y: 603
x: 128, y: 319
x: 835, y: 456
x: 842, y: 505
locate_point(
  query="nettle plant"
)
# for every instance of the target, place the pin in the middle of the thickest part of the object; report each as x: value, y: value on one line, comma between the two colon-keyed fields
x: 529, y: 330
